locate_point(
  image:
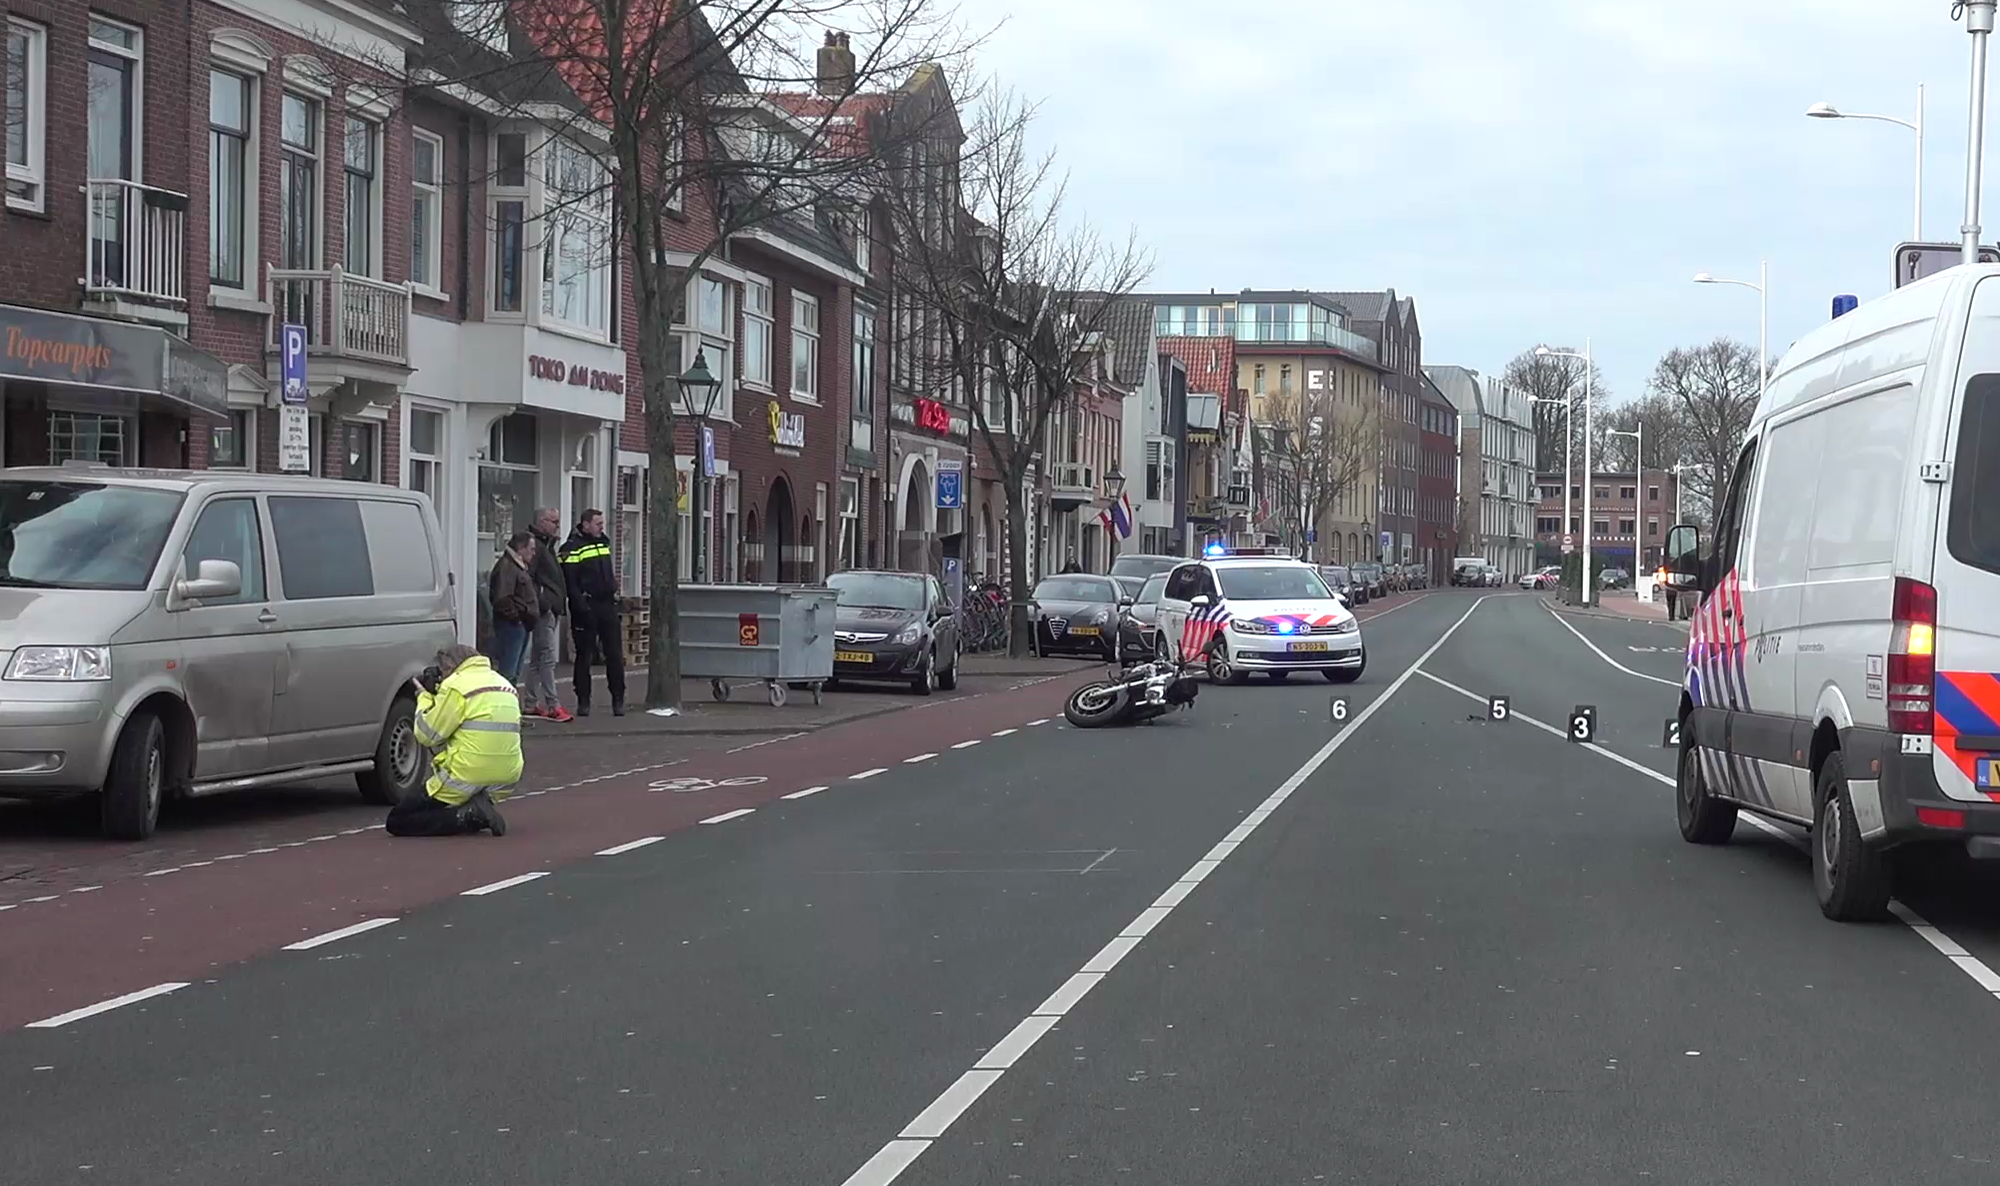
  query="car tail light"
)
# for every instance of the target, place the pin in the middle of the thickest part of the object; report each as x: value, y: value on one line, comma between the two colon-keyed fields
x: 1912, y: 657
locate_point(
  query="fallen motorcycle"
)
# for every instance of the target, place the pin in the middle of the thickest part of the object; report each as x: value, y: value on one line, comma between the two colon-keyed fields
x: 1139, y: 693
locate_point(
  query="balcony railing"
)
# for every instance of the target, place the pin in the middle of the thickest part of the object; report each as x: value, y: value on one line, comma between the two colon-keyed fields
x: 344, y: 315
x: 1071, y: 477
x: 137, y: 242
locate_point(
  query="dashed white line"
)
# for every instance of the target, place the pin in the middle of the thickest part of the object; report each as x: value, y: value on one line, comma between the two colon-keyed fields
x: 726, y: 816
x: 809, y: 791
x: 335, y: 936
x: 918, y: 758
x: 497, y: 886
x: 130, y: 998
x: 968, y: 744
x: 629, y: 845
x: 902, y: 1151
x: 868, y: 774
x: 164, y: 872
x: 1043, y: 721
x: 43, y: 898
x: 1006, y: 732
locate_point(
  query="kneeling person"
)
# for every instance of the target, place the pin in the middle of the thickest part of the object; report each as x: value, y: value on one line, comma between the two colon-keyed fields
x: 470, y: 718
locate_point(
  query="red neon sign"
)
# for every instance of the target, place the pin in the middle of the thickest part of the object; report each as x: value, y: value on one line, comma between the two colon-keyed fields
x: 933, y: 415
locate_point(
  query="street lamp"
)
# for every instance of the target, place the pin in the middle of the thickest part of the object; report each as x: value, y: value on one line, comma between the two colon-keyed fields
x: 1762, y: 288
x: 1638, y: 489
x: 1588, y: 586
x: 1569, y: 449
x: 699, y: 387
x: 1829, y: 111
x: 1979, y: 23
x: 1680, y: 486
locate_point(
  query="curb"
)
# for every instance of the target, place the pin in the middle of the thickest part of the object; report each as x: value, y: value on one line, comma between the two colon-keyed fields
x: 1580, y: 611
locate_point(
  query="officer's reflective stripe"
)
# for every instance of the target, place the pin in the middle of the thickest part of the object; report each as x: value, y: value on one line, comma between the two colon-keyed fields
x: 507, y: 689
x: 492, y: 726
x: 473, y: 788
x: 425, y: 734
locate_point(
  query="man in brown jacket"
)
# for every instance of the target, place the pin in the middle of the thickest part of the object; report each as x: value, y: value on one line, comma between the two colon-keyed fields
x: 517, y: 603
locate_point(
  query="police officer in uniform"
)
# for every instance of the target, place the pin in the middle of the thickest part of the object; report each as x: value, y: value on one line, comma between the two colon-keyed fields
x: 470, y: 718
x: 593, y: 602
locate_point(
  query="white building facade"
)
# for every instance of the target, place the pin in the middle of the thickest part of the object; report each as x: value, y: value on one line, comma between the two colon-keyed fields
x: 1505, y: 470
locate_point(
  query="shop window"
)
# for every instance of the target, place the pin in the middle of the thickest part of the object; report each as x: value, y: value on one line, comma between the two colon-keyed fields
x: 233, y: 442
x: 850, y: 522
x: 90, y: 436
x: 423, y: 450
x: 361, y: 460
x: 632, y: 530
x: 582, y: 474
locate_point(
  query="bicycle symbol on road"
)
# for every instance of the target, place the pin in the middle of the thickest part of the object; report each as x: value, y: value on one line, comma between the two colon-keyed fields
x: 688, y: 784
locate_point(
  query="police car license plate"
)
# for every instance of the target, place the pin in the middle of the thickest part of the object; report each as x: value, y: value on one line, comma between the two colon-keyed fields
x: 1306, y: 646
x: 853, y: 657
x: 1091, y: 630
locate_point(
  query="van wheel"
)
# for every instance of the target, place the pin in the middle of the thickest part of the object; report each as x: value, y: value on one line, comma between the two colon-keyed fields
x: 1704, y: 818
x: 399, y: 760
x: 137, y: 779
x: 1851, y: 879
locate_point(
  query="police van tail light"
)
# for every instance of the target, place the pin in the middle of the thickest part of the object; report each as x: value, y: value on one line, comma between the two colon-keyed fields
x: 1912, y: 657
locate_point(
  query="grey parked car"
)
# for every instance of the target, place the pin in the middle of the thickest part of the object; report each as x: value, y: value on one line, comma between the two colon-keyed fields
x: 894, y: 627
x: 168, y: 634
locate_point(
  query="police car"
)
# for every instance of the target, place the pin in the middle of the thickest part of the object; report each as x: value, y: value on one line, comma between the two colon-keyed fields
x: 1241, y: 610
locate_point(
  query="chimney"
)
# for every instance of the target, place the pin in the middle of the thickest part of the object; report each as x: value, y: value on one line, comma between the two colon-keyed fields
x: 836, y: 66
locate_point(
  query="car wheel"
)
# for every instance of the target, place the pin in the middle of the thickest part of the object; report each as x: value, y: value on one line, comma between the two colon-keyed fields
x: 137, y: 779
x: 1704, y: 819
x: 1220, y: 669
x: 399, y: 760
x: 925, y: 681
x: 948, y: 678
x: 1850, y: 877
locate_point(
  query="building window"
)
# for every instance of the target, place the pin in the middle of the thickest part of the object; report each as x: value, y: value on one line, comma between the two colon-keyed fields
x: 230, y: 443
x: 423, y: 451
x: 298, y: 182
x: 229, y: 104
x: 1284, y: 380
x: 1600, y: 527
x: 358, y: 161
x: 1257, y: 379
x: 757, y: 331
x: 1628, y: 492
x: 576, y: 252
x: 27, y: 112
x: 864, y: 247
x: 89, y: 436
x: 1627, y: 527
x: 632, y: 530
x: 510, y: 222
x: 712, y: 307
x: 426, y: 210
x: 1652, y: 528
x: 361, y: 459
x: 509, y: 480
x: 1652, y: 494
x: 113, y: 135
x: 850, y: 521
x: 862, y: 382
x: 805, y: 346
x: 582, y: 475
x: 1600, y: 493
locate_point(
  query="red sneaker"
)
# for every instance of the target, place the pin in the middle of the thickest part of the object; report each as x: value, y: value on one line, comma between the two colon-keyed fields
x: 558, y: 714
x: 533, y: 710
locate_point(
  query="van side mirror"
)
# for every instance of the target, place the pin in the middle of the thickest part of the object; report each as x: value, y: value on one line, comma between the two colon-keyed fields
x: 1682, y: 559
x: 212, y: 579
x: 1201, y: 600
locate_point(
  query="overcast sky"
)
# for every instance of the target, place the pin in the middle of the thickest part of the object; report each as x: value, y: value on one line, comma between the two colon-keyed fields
x: 1528, y: 170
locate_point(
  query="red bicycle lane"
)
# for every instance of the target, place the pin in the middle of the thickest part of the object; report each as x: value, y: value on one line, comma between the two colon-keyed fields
x: 184, y: 924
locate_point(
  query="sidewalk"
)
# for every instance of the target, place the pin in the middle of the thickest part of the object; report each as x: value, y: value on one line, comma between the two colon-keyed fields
x: 1618, y: 603
x: 749, y: 713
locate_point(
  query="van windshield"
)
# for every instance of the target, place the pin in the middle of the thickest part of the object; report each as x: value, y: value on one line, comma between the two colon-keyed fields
x: 1973, y: 531
x: 82, y: 535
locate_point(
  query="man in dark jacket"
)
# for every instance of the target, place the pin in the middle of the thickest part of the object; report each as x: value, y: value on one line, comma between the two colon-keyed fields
x: 593, y: 606
x: 538, y: 686
x: 516, y: 604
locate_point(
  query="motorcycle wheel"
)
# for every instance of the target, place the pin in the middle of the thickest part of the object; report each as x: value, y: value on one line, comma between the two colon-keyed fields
x: 1094, y: 705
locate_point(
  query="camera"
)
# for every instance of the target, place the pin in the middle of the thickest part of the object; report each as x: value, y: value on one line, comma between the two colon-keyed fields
x: 430, y: 677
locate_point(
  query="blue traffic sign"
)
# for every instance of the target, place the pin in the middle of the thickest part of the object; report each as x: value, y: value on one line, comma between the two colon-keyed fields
x: 292, y: 363
x: 707, y: 451
x: 950, y: 489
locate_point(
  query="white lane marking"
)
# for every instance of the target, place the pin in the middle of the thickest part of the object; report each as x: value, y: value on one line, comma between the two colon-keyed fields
x: 1392, y: 609
x: 43, y: 898
x: 807, y: 792
x: 1101, y: 858
x: 868, y: 774
x: 1600, y: 654
x: 629, y: 845
x: 86, y: 889
x: 1175, y: 895
x: 918, y: 758
x: 1006, y: 732
x: 497, y: 886
x: 898, y: 1154
x: 165, y: 871
x: 726, y: 816
x: 968, y: 744
x: 1015, y: 1044
x: 1043, y: 721
x: 1967, y: 963
x: 336, y: 936
x: 144, y: 994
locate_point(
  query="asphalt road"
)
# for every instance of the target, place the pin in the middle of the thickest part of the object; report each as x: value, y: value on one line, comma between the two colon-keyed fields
x: 1250, y: 943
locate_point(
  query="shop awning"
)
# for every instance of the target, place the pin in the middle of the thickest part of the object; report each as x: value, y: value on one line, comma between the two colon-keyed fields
x: 96, y: 353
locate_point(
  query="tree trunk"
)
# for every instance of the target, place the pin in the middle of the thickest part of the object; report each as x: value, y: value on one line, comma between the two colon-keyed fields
x: 1020, y: 566
x: 663, y: 520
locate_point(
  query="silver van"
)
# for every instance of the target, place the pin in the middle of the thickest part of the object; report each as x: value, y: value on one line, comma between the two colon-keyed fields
x: 167, y: 633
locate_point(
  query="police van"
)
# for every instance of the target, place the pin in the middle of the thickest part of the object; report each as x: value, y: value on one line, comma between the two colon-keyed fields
x: 1843, y: 664
x: 1236, y: 611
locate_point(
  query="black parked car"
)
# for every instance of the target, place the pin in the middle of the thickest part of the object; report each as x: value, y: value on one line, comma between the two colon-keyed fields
x: 1144, y: 564
x: 1076, y: 613
x: 1340, y: 579
x: 894, y: 627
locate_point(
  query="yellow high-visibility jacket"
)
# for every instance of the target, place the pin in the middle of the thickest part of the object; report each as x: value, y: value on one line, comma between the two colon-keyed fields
x: 473, y: 723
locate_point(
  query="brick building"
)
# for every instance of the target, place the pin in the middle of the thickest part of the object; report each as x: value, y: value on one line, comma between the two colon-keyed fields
x: 1628, y: 524
x: 1437, y: 483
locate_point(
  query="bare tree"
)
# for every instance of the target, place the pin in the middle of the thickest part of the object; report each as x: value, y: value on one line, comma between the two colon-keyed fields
x: 1005, y: 303
x: 1558, y: 378
x: 1713, y: 389
x: 1331, y: 447
x: 1660, y: 417
x: 717, y: 118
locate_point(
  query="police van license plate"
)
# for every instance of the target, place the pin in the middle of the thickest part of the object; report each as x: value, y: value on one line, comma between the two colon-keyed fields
x: 853, y: 657
x: 1306, y: 646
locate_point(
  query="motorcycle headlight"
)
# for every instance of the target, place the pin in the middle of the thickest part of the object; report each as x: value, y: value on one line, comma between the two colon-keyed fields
x: 911, y: 633
x: 60, y: 664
